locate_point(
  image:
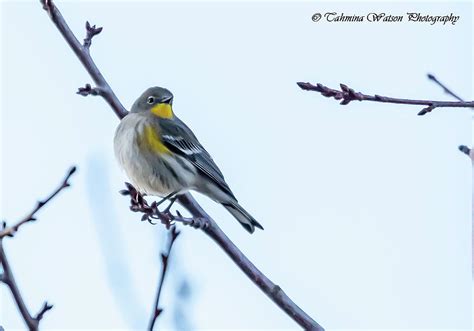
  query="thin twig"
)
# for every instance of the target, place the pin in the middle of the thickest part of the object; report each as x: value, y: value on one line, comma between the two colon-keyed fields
x: 7, y: 275
x: 91, y: 31
x: 199, y: 215
x: 445, y: 89
x: 464, y: 149
x: 347, y: 95
x: 11, y: 230
x: 172, y: 235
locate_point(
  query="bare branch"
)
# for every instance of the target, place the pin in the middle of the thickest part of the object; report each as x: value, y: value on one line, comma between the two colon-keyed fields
x: 82, y: 52
x: 210, y: 227
x: 432, y: 77
x: 347, y: 95
x: 273, y: 291
x: 11, y: 230
x: 172, y: 235
x: 200, y: 217
x: 7, y: 275
x: 445, y: 89
x: 9, y: 280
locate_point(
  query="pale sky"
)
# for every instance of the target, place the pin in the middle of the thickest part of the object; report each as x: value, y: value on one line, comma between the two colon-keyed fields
x: 366, y: 207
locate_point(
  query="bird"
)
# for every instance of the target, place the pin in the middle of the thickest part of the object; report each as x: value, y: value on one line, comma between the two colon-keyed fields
x: 162, y: 157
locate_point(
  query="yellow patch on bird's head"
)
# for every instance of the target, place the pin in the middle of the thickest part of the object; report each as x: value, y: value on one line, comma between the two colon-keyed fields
x: 162, y: 110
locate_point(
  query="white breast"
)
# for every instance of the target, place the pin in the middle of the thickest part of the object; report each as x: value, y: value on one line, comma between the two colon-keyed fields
x: 148, y: 175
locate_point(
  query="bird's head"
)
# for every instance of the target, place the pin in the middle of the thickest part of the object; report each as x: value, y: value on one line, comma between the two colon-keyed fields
x: 157, y: 100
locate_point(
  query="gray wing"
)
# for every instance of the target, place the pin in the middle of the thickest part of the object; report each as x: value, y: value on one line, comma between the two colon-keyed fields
x: 182, y: 141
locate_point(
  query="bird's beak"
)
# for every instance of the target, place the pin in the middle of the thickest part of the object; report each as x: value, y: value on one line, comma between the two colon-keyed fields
x: 167, y: 100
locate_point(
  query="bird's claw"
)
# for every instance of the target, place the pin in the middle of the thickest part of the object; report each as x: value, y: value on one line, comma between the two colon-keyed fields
x: 152, y: 214
x: 199, y: 223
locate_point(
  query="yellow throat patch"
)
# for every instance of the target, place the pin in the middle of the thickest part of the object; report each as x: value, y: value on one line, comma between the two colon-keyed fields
x: 162, y: 110
x: 152, y: 141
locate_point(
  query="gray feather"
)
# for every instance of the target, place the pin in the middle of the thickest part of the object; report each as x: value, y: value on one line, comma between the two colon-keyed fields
x: 181, y: 140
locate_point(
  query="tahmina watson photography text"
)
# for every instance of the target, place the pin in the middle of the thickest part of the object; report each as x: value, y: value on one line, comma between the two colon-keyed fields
x: 383, y: 17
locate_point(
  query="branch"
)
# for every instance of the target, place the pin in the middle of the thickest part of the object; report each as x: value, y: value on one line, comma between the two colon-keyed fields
x: 204, y: 222
x: 11, y: 230
x: 273, y: 291
x: 82, y: 52
x: 199, y: 215
x: 172, y: 235
x: 346, y: 95
x: 9, y: 280
x: 445, y: 89
x: 464, y: 149
x: 7, y: 275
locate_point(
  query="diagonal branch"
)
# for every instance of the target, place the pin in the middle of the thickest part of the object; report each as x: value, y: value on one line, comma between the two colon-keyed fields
x: 273, y: 291
x: 201, y: 220
x: 11, y: 230
x: 444, y: 87
x: 82, y: 52
x: 347, y: 95
x: 7, y: 275
x: 210, y: 227
x: 9, y: 280
x: 172, y: 235
x: 464, y: 149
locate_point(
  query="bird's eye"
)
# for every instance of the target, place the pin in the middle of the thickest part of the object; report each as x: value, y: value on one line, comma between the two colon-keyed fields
x: 150, y: 100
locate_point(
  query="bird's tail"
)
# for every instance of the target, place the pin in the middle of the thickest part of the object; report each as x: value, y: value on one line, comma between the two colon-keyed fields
x: 245, y: 219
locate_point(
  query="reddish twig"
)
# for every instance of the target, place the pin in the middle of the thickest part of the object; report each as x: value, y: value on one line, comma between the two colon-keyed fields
x: 7, y: 275
x: 347, y: 95
x: 172, y: 235
x: 199, y: 216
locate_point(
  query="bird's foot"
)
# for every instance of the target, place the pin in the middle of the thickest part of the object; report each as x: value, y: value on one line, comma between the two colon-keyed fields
x: 197, y: 223
x: 138, y: 203
x: 153, y: 215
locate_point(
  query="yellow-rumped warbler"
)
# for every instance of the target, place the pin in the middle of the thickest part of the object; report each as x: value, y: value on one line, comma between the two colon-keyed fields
x: 163, y: 157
